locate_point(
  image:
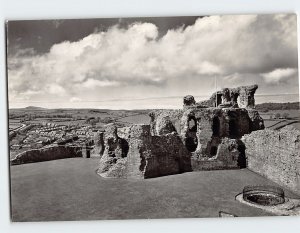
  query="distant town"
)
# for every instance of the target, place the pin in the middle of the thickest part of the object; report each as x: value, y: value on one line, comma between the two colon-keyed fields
x: 34, y: 128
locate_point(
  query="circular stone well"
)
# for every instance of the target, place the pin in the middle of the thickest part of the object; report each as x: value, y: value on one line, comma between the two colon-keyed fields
x: 263, y: 195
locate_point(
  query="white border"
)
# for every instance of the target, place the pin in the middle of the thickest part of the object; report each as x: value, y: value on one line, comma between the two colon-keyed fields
x: 53, y: 9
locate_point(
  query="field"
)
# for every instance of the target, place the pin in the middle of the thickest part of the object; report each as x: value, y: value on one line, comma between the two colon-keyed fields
x: 293, y: 118
x: 136, y: 119
x: 69, y: 189
x: 14, y: 124
x: 84, y: 117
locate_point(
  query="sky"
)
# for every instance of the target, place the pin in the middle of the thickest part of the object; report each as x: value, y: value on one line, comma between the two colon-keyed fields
x: 136, y: 63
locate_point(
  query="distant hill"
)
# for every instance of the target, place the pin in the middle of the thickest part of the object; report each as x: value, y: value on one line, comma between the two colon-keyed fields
x: 277, y: 106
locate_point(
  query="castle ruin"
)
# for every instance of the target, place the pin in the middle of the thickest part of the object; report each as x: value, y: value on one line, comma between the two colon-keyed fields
x: 204, y: 135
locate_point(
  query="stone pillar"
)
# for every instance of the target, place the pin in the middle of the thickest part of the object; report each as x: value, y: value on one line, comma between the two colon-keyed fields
x: 139, y: 150
x: 111, y: 141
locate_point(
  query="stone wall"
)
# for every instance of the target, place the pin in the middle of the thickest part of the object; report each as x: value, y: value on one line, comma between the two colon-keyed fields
x: 275, y: 155
x: 229, y: 155
x: 158, y: 116
x: 153, y: 156
x: 113, y: 161
x: 46, y: 154
x: 145, y: 156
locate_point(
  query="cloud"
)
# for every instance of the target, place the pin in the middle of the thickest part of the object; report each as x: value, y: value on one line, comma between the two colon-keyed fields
x: 55, y: 89
x: 93, y: 83
x: 75, y: 99
x: 279, y: 75
x: 135, y: 61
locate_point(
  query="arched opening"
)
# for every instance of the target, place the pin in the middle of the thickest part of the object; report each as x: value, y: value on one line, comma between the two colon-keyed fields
x: 235, y: 99
x: 242, y: 160
x: 88, y: 153
x: 233, y: 128
x: 191, y: 144
x: 192, y: 125
x: 218, y: 99
x: 216, y: 126
x: 125, y: 147
x: 213, y: 150
x: 191, y: 141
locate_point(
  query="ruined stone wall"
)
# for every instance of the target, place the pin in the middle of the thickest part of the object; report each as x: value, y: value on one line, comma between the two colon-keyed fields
x: 113, y: 160
x: 216, y: 123
x: 242, y: 97
x: 173, y: 116
x: 275, y: 155
x: 213, y: 137
x: 147, y: 156
x: 153, y: 156
x: 198, y: 137
x: 46, y: 154
x: 139, y: 151
x: 229, y: 155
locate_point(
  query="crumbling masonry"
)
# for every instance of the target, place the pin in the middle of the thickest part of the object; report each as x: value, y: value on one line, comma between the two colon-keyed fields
x: 202, y: 136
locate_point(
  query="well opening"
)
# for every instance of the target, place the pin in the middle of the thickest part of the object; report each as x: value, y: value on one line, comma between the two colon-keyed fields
x: 263, y: 195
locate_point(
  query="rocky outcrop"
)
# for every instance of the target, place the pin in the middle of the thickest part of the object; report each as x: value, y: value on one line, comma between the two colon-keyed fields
x: 46, y: 154
x: 275, y: 155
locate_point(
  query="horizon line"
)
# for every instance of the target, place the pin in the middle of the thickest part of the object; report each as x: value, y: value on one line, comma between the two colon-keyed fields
x: 162, y: 97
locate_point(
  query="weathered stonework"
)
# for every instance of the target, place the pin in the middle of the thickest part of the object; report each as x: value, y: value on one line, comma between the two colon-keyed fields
x: 152, y: 156
x: 201, y: 136
x: 275, y: 155
x: 242, y: 97
x: 112, y: 162
x: 47, y: 154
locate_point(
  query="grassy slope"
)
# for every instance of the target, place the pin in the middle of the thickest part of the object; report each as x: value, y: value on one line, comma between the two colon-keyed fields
x: 69, y: 189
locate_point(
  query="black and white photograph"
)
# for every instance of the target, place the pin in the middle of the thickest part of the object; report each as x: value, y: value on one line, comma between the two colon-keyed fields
x: 153, y: 117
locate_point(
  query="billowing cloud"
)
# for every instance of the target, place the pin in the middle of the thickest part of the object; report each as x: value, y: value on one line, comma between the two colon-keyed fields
x: 279, y: 75
x: 135, y: 61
